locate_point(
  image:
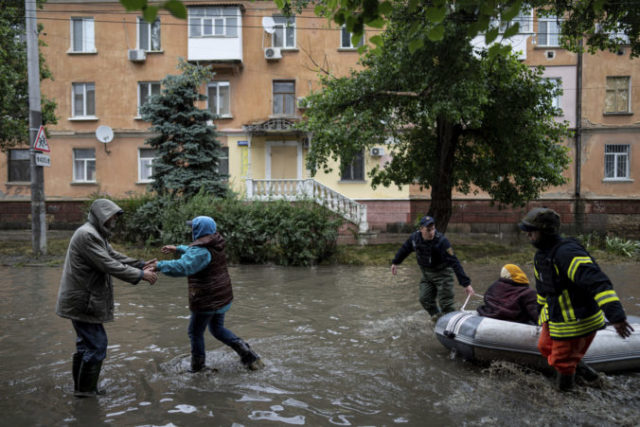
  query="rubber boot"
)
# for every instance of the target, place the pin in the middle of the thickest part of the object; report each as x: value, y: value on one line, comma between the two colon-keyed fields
x: 586, y: 372
x: 75, y: 369
x: 88, y: 375
x: 247, y: 356
x: 197, y: 363
x: 565, y: 382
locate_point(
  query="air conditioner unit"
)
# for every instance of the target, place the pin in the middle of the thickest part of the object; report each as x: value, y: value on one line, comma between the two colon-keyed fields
x: 377, y: 151
x: 272, y: 53
x: 137, y: 55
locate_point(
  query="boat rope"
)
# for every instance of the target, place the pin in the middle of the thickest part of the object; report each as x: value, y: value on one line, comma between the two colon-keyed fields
x: 467, y: 300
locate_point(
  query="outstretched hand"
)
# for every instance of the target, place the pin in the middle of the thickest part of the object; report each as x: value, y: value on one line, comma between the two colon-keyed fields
x: 469, y: 290
x: 623, y: 328
x: 149, y: 264
x: 168, y: 249
x: 149, y: 276
x: 394, y: 269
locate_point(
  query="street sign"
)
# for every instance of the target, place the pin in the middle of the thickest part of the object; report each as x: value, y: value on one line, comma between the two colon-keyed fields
x: 43, y: 160
x: 41, y: 144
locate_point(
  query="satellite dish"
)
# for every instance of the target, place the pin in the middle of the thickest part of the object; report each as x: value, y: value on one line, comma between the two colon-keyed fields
x: 104, y: 134
x: 269, y: 24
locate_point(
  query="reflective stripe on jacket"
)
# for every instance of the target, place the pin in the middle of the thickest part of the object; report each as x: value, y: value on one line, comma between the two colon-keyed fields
x: 574, y: 293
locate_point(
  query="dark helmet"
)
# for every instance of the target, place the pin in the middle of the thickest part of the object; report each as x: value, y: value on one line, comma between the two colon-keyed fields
x: 544, y: 220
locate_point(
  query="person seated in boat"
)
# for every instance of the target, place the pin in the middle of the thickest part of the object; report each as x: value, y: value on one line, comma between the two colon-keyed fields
x: 510, y: 297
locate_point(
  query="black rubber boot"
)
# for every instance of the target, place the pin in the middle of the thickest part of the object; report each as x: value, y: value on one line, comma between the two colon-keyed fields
x: 197, y: 363
x: 586, y: 372
x: 88, y: 375
x: 75, y: 369
x: 247, y: 356
x: 565, y: 382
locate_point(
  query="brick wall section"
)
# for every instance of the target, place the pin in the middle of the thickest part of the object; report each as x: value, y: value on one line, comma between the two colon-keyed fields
x: 61, y: 215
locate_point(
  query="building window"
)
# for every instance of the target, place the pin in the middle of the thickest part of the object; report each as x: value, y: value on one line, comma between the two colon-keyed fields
x: 19, y: 166
x: 548, y: 31
x: 84, y: 165
x: 557, y: 83
x: 524, y: 19
x: 213, y: 21
x: 219, y: 98
x: 285, y: 34
x: 145, y: 91
x: 353, y: 171
x: 345, y: 39
x: 145, y: 164
x: 284, y: 98
x: 617, y: 97
x: 616, y: 161
x: 149, y: 35
x: 84, y: 99
x: 82, y: 35
x: 223, y: 161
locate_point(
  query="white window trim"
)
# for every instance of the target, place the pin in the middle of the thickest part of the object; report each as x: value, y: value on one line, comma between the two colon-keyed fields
x: 217, y: 84
x: 351, y: 46
x: 549, y: 19
x: 627, y: 154
x: 237, y: 16
x: 273, y: 95
x: 141, y: 22
x: 364, y: 171
x: 148, y: 87
x: 75, y: 178
x: 142, y: 180
x: 286, y: 28
x: 557, y: 100
x: 84, y: 38
x: 83, y: 116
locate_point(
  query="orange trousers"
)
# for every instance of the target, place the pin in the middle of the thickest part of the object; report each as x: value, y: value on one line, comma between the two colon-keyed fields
x: 563, y: 355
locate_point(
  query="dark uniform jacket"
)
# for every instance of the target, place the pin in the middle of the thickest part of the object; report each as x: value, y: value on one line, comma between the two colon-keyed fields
x: 508, y: 300
x: 574, y: 293
x: 210, y: 288
x: 435, y: 254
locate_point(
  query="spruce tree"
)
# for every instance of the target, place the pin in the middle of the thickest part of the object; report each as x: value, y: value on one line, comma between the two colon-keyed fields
x: 188, y: 151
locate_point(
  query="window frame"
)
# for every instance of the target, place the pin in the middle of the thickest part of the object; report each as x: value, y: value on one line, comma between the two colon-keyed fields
x: 344, y: 33
x: 557, y: 100
x: 229, y: 30
x: 286, y: 25
x: 552, y: 39
x: 217, y: 84
x: 85, y: 161
x: 10, y: 166
x: 284, y: 96
x: 149, y: 88
x: 223, y: 162
x: 616, y: 156
x: 141, y: 23
x: 84, y: 100
x: 616, y: 91
x: 358, y: 161
x: 88, y: 41
x: 142, y: 165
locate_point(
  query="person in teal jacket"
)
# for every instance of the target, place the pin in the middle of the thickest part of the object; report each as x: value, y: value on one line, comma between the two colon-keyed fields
x: 204, y: 264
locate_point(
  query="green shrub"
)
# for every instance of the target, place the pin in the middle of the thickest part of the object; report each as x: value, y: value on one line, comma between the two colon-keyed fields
x: 620, y: 246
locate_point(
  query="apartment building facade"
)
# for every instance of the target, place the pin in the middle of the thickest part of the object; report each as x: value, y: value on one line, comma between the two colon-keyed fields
x: 107, y: 63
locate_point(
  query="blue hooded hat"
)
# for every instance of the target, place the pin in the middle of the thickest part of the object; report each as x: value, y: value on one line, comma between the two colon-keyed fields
x: 202, y: 226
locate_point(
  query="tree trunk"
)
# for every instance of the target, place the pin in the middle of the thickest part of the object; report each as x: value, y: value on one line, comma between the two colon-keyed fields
x: 441, y: 203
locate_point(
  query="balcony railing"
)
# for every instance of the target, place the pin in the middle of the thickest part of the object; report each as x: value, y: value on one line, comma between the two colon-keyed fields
x: 298, y: 189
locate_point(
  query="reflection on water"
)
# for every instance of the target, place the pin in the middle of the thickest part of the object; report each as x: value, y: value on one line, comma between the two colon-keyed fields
x: 342, y: 346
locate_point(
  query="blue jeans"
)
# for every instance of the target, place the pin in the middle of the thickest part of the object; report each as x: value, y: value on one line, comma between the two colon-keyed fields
x: 91, y: 341
x: 197, y: 326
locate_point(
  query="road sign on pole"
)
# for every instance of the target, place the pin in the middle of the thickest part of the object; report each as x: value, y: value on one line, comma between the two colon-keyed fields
x: 43, y: 160
x: 41, y: 144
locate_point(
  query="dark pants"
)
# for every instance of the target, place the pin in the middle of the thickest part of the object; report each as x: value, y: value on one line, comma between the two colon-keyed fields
x: 436, y: 290
x: 91, y: 341
x: 198, y: 324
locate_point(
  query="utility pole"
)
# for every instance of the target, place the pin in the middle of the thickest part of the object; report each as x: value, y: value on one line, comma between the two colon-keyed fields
x: 578, y: 202
x: 38, y: 218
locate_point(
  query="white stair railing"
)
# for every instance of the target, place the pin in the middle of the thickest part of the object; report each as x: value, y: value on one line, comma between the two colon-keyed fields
x: 297, y: 189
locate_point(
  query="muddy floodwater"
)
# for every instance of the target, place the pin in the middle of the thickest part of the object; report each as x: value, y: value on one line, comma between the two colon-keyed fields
x: 342, y: 346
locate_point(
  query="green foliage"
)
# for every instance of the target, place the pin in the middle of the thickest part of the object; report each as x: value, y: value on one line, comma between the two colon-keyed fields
x: 14, y: 84
x: 149, y: 12
x: 303, y: 233
x: 620, y: 246
x: 188, y: 151
x: 464, y: 120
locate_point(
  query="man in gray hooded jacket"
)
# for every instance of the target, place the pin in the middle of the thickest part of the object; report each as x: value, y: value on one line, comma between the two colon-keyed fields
x: 86, y: 290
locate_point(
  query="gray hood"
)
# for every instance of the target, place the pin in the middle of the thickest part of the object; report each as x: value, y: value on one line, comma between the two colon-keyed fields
x: 101, y: 210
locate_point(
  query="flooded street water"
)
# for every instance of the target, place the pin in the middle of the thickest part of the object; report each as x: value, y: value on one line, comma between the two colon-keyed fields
x: 341, y: 345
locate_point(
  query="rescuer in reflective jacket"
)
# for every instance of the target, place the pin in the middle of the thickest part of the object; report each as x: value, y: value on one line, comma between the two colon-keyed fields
x: 574, y: 297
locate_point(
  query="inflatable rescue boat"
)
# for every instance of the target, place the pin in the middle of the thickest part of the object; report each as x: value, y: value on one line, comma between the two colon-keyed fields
x: 485, y: 339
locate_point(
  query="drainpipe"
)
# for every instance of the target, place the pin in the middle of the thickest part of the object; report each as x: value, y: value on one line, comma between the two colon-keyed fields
x: 578, y: 203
